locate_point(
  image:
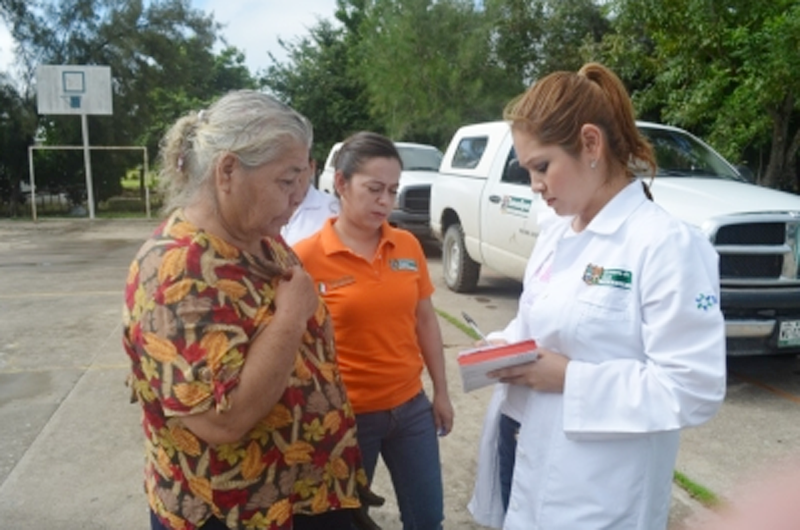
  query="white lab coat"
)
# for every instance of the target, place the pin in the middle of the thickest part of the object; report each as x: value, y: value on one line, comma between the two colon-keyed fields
x: 316, y: 208
x: 647, y: 359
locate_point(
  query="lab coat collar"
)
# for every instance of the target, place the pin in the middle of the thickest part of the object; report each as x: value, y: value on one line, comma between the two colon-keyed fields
x: 618, y: 209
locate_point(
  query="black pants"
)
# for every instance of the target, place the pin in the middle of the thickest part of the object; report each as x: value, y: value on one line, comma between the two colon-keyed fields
x: 334, y: 520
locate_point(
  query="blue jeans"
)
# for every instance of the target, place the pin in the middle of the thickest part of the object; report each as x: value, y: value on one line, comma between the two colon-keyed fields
x: 405, y: 437
x: 506, y: 452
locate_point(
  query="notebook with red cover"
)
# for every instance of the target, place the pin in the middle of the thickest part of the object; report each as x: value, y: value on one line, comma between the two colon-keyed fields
x: 476, y: 363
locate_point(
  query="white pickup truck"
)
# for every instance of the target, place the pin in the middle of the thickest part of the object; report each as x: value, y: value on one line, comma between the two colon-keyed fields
x: 420, y: 168
x: 483, y: 210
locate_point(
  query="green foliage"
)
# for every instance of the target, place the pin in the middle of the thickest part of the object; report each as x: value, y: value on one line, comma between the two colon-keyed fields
x: 418, y: 69
x: 428, y: 67
x: 516, y: 29
x: 317, y: 80
x: 17, y: 124
x: 728, y: 70
x: 535, y: 38
x: 414, y: 70
x: 468, y: 331
x: 162, y: 65
x: 705, y: 496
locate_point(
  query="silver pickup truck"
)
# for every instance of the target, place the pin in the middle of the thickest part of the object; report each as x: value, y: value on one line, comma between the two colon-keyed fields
x: 484, y: 212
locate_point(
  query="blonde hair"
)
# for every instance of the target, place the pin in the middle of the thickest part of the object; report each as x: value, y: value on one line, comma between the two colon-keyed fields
x: 254, y: 126
x: 554, y: 109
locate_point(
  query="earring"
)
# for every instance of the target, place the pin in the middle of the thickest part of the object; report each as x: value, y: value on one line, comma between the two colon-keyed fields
x: 593, y: 164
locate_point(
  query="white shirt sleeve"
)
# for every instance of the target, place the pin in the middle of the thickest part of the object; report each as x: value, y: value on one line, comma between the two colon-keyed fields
x: 309, y: 217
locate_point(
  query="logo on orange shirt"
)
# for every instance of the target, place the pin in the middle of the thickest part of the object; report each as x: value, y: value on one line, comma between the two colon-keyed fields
x: 404, y: 265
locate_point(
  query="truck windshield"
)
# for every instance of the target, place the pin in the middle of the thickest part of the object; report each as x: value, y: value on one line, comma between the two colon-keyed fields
x: 680, y: 155
x: 420, y: 158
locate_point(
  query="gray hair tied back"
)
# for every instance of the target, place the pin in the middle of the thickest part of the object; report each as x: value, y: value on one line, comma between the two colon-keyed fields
x: 254, y: 126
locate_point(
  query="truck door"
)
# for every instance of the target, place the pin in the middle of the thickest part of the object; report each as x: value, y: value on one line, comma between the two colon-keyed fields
x: 509, y: 213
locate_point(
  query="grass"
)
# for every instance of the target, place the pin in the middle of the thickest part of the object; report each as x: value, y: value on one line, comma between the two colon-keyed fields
x: 132, y: 181
x: 460, y: 325
x: 697, y: 491
x: 134, y: 185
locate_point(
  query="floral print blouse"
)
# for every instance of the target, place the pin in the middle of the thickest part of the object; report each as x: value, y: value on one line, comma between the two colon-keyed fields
x: 192, y: 304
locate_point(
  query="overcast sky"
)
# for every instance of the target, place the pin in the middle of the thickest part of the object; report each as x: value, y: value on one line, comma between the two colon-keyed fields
x: 253, y: 26
x: 6, y: 45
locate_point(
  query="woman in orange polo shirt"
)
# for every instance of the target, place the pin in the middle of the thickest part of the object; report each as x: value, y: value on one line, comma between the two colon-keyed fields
x: 375, y: 282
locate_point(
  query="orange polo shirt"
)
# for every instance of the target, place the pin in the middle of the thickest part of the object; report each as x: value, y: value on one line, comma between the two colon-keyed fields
x: 373, y: 305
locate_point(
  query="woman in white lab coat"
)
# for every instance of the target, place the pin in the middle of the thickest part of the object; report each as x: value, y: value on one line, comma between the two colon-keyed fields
x: 623, y: 302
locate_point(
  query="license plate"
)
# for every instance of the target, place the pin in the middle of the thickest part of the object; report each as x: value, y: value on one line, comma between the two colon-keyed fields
x: 789, y: 334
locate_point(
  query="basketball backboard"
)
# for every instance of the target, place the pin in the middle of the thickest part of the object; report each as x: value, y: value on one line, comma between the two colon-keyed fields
x: 73, y: 89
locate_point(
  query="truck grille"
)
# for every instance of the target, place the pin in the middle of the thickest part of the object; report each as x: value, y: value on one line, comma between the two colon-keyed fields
x: 744, y: 266
x: 752, y: 234
x: 417, y: 200
x: 758, y: 249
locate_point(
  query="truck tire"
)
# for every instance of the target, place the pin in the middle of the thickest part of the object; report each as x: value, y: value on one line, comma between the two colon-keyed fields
x: 459, y: 270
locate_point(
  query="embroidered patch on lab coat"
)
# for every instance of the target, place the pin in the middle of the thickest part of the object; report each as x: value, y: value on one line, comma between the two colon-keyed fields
x: 597, y: 275
x: 705, y: 301
x: 404, y: 265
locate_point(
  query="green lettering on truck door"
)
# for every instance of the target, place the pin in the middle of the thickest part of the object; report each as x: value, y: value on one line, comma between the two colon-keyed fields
x: 518, y: 206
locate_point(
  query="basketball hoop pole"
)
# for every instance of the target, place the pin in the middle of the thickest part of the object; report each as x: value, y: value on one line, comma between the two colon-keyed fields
x: 87, y: 160
x: 76, y: 89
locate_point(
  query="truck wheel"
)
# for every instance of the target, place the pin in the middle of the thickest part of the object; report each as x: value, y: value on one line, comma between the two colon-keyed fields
x: 460, y: 271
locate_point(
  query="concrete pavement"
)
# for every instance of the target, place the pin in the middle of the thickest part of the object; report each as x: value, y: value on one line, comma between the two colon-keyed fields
x: 71, y: 445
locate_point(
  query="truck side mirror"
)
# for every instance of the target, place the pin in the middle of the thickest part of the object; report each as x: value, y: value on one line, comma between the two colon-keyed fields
x: 746, y: 173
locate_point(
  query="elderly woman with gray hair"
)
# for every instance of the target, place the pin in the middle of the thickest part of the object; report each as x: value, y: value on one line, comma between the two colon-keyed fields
x: 246, y: 420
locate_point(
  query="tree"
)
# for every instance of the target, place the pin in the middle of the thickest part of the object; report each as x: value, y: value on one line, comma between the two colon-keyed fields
x: 535, y: 38
x: 162, y: 64
x: 17, y: 124
x: 571, y: 27
x: 728, y: 70
x: 515, y: 29
x: 428, y: 67
x: 317, y: 80
x: 419, y: 69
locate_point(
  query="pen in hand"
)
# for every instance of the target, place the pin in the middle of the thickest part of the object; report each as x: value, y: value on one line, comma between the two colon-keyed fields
x: 474, y: 326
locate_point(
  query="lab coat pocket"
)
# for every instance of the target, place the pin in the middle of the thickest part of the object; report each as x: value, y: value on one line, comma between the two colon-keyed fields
x: 605, y: 302
x: 605, y: 314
